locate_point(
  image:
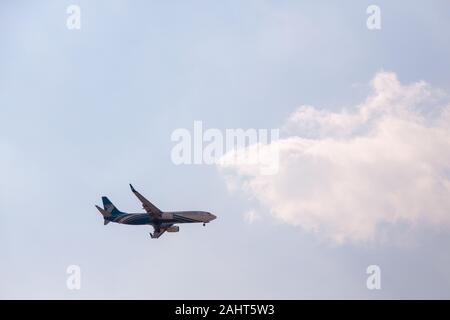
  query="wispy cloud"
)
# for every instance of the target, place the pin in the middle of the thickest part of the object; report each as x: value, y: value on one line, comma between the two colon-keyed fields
x: 352, y: 175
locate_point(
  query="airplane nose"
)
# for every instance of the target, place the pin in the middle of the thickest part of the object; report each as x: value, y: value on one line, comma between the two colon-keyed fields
x: 212, y: 217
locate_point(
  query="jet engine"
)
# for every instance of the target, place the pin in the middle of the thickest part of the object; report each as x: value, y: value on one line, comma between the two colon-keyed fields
x: 173, y: 229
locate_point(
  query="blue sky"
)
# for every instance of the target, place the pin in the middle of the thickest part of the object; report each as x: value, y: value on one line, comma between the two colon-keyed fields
x: 85, y: 112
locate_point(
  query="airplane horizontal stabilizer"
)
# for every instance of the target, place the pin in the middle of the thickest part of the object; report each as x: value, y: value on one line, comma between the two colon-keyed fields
x: 103, y: 212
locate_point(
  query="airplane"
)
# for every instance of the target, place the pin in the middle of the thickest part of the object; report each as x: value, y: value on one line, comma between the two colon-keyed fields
x: 159, y: 220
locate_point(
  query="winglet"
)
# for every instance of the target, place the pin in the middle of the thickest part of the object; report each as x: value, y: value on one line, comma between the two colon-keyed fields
x: 132, y: 189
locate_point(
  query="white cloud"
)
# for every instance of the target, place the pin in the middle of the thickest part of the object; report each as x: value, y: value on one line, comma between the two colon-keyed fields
x: 352, y: 175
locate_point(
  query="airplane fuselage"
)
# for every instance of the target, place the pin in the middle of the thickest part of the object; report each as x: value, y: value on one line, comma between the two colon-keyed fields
x: 167, y: 218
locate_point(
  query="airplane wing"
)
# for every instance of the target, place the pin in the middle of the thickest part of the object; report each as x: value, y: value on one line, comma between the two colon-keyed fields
x: 147, y: 205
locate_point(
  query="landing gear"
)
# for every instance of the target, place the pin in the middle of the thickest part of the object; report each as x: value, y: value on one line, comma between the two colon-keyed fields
x: 204, y: 224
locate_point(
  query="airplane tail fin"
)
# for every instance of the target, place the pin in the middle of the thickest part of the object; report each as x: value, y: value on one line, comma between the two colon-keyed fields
x: 108, y: 210
x: 109, y: 207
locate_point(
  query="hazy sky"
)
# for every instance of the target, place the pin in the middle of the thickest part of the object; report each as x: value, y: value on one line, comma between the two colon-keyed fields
x: 364, y: 169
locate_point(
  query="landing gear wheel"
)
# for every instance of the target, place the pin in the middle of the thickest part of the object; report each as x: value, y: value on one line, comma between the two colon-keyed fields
x: 204, y: 224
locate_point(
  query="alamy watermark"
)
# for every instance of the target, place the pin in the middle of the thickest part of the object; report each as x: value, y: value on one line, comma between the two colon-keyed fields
x: 73, y: 281
x: 373, y: 21
x: 251, y: 147
x: 374, y: 279
x: 73, y: 21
